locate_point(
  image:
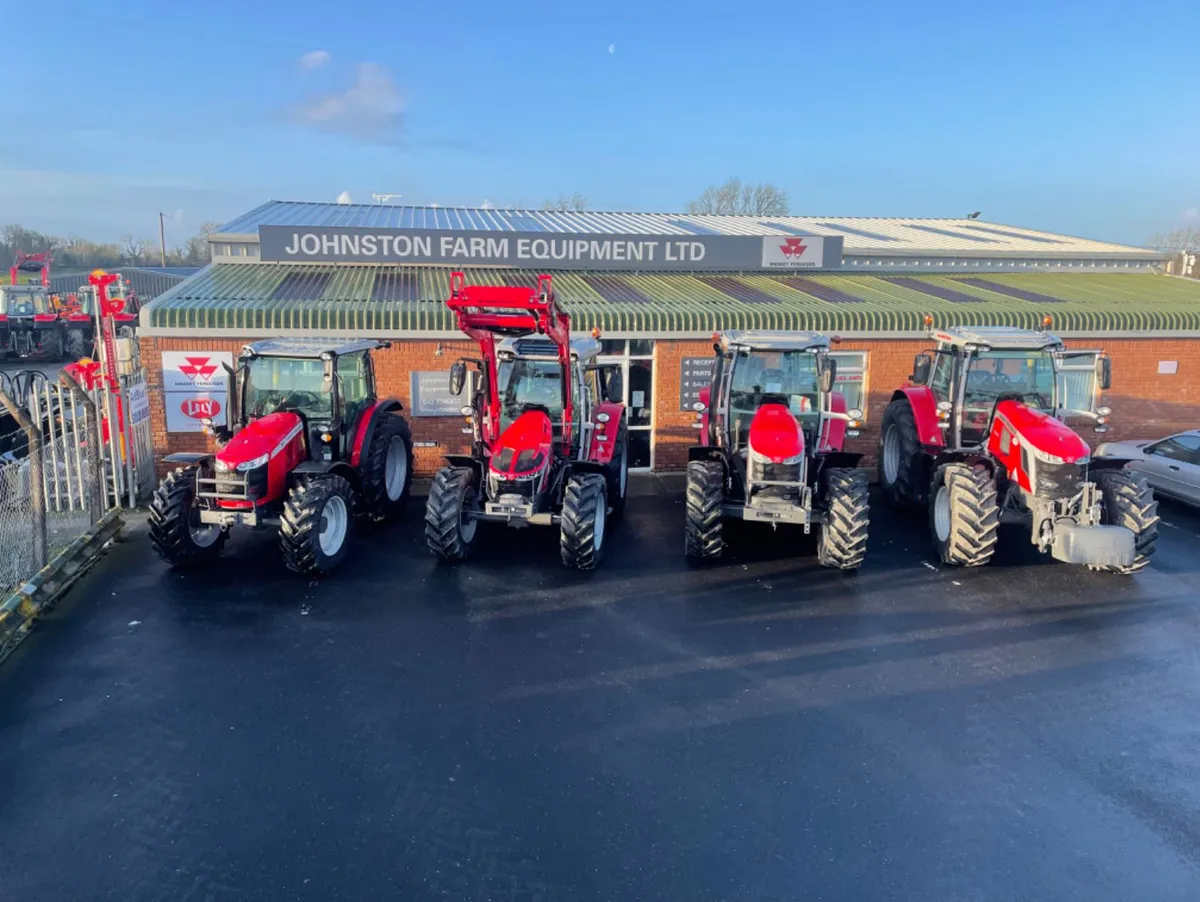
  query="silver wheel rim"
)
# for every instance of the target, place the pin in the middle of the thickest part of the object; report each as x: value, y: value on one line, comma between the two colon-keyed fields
x: 395, y: 468
x: 466, y: 523
x: 204, y: 534
x: 334, y: 520
x: 891, y: 454
x: 941, y: 513
x: 598, y: 525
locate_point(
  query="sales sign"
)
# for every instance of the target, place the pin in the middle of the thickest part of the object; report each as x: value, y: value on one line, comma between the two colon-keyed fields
x: 695, y: 373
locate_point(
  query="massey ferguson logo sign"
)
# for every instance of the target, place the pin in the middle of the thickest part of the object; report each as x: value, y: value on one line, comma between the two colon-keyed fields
x: 195, y: 386
x: 794, y: 253
x: 199, y: 408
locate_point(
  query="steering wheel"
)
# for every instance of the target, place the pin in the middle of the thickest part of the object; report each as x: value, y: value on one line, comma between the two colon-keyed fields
x: 301, y: 399
x: 271, y: 400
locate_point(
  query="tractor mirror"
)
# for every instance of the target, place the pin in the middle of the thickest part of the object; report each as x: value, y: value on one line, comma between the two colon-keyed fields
x: 828, y: 375
x: 327, y: 375
x: 1104, y: 372
x: 921, y: 366
x: 458, y: 377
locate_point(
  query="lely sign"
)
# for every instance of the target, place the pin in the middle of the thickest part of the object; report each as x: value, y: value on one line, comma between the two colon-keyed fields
x: 195, y: 387
x: 549, y: 250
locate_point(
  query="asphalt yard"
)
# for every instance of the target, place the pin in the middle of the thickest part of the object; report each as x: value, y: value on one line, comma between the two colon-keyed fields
x: 508, y: 730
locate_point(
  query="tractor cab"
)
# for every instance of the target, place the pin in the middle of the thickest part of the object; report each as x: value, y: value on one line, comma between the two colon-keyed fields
x: 30, y: 320
x: 326, y: 385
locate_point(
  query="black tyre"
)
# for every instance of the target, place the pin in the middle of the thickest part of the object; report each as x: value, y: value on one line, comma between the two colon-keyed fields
x: 1127, y: 500
x: 964, y: 515
x: 449, y: 528
x: 316, y: 525
x: 704, y: 533
x: 387, y: 468
x: 618, y: 473
x: 843, y: 542
x: 76, y: 344
x: 584, y: 518
x: 175, y: 528
x: 54, y: 346
x: 899, y: 447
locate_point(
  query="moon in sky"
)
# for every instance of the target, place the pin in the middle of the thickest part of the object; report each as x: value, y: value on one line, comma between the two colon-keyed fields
x: 612, y: 48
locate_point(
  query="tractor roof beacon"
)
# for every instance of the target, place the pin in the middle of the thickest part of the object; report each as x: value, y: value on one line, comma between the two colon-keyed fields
x: 978, y: 435
x: 772, y: 431
x: 309, y: 448
x: 548, y: 445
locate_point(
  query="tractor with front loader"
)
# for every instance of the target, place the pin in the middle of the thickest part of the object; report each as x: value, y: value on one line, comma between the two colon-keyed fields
x: 548, y: 445
x: 308, y: 450
x: 772, y: 430
x: 29, y: 321
x: 978, y: 436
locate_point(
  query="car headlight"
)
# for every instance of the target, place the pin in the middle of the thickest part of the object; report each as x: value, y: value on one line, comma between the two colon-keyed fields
x: 247, y: 465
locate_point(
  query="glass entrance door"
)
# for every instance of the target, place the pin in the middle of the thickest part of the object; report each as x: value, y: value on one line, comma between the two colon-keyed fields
x: 634, y: 385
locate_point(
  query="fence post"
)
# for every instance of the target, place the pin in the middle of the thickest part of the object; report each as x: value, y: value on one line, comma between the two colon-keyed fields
x: 37, y: 498
x: 96, y: 452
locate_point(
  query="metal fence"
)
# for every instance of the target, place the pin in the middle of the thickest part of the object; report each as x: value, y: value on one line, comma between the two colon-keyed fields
x: 67, y: 456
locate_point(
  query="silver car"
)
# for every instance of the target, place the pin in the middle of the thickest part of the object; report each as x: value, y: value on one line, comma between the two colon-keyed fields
x: 1171, y: 465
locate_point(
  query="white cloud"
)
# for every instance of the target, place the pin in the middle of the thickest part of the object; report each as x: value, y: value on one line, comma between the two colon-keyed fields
x: 316, y: 59
x: 178, y: 217
x: 1191, y: 214
x: 344, y: 198
x: 371, y: 109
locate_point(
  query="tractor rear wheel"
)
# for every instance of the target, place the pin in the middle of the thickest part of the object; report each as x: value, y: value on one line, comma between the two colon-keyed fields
x: 964, y: 515
x: 899, y: 447
x: 584, y: 517
x: 704, y: 537
x: 387, y: 468
x: 315, y: 528
x: 843, y: 542
x: 618, y: 472
x: 1128, y: 501
x: 76, y: 344
x: 175, y: 528
x: 449, y: 528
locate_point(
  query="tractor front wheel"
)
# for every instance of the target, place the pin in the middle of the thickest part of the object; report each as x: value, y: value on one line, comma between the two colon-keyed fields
x: 1127, y: 500
x: 387, y: 468
x: 704, y: 537
x: 76, y: 344
x: 175, y: 528
x: 843, y: 542
x: 584, y: 516
x: 315, y: 528
x: 964, y: 515
x: 899, y: 448
x: 449, y: 527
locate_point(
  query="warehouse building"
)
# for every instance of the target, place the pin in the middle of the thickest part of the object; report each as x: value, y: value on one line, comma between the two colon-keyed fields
x: 657, y: 286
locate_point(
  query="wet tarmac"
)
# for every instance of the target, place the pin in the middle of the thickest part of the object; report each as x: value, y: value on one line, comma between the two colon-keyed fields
x: 761, y: 729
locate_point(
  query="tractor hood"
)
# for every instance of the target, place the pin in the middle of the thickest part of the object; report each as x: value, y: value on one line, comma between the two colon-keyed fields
x: 775, y: 434
x: 524, y: 448
x: 1042, y: 434
x: 261, y: 440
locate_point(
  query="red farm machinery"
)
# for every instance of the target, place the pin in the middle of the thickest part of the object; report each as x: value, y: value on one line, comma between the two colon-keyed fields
x: 548, y: 446
x: 772, y: 430
x: 79, y: 316
x: 978, y: 437
x: 310, y: 449
x: 29, y: 320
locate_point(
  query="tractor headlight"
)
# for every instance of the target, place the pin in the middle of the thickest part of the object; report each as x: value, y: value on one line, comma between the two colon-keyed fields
x: 247, y: 465
x: 220, y: 466
x: 1103, y: 411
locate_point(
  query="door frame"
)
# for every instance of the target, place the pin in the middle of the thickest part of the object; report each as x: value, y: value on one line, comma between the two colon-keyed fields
x: 624, y: 360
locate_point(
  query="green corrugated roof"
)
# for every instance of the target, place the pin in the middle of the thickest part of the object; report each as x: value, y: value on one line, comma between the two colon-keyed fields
x: 239, y: 297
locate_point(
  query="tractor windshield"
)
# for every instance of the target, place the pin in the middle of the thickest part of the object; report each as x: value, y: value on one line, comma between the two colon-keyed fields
x: 1028, y: 375
x: 24, y: 303
x: 526, y: 384
x: 284, y: 383
x: 780, y: 377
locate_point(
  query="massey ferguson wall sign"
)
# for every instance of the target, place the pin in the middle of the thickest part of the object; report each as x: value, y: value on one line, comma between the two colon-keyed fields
x: 195, y: 386
x: 552, y: 251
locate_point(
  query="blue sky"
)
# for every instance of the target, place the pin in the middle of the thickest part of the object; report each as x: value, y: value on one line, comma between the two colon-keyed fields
x: 1081, y: 117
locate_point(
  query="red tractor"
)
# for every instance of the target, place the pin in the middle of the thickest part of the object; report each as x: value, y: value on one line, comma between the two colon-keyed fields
x: 549, y: 447
x: 771, y: 435
x: 78, y: 316
x: 29, y: 321
x: 977, y: 436
x: 310, y: 448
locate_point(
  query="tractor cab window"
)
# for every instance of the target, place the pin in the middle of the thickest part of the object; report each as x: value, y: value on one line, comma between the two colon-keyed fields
x: 26, y: 303
x: 773, y: 377
x: 354, y: 384
x: 1024, y: 375
x: 531, y: 385
x: 942, y: 376
x: 283, y: 383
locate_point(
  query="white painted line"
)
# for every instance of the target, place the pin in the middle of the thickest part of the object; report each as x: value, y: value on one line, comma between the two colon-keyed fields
x: 929, y: 565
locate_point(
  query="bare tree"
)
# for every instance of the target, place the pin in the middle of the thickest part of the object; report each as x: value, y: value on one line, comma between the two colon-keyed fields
x: 134, y: 250
x: 575, y: 203
x: 736, y: 198
x: 1182, y: 239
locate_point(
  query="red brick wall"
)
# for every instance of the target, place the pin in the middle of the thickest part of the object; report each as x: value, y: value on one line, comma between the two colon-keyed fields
x: 1144, y: 403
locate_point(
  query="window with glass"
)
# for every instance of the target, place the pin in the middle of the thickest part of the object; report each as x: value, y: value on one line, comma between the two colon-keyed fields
x: 773, y: 377
x: 1027, y: 376
x: 851, y: 377
x: 631, y: 382
x: 941, y: 377
x: 1184, y: 448
x: 354, y: 384
x: 529, y: 385
x: 272, y: 384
